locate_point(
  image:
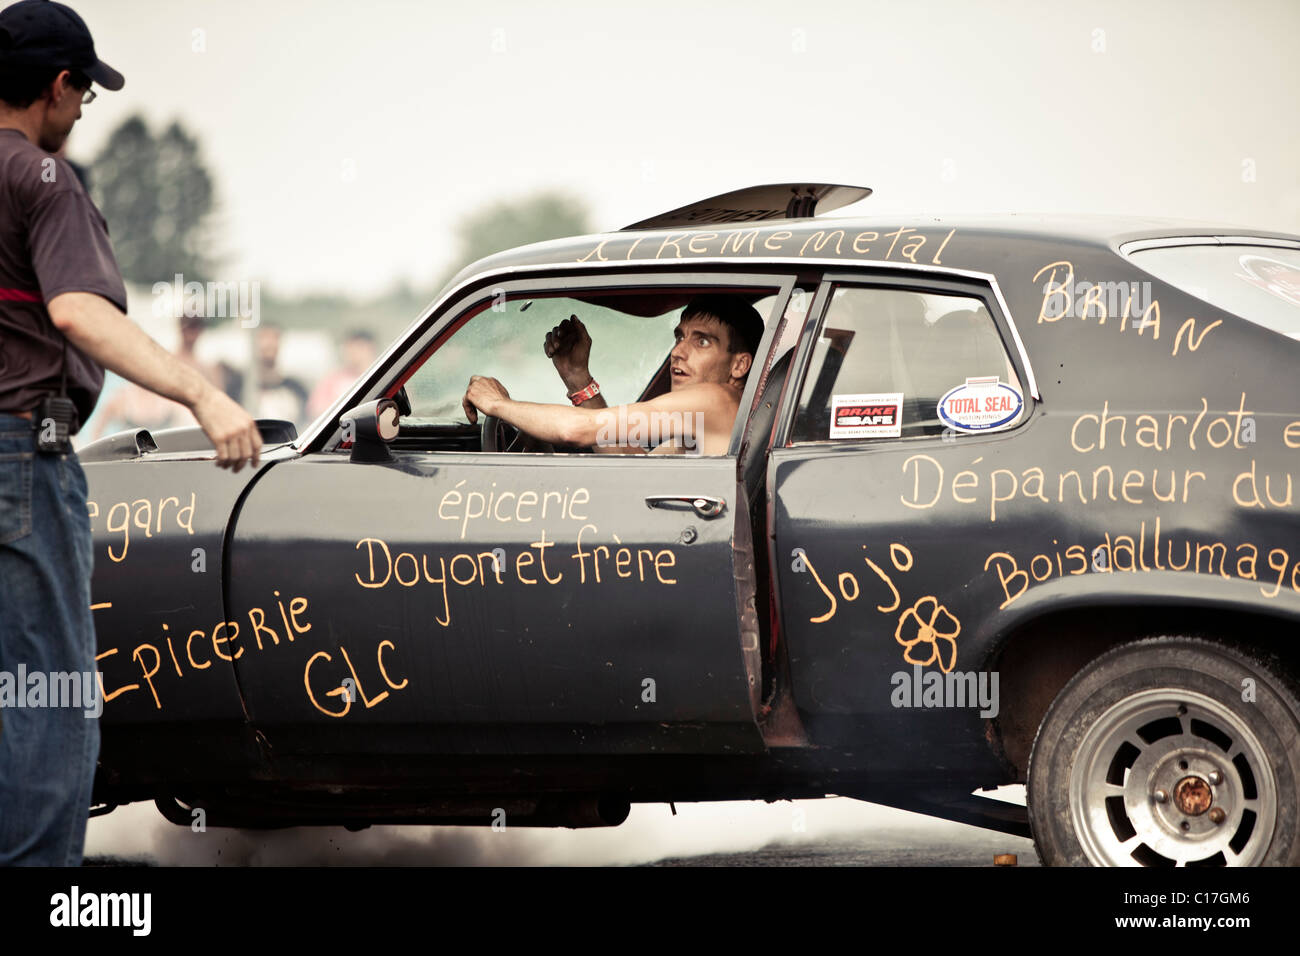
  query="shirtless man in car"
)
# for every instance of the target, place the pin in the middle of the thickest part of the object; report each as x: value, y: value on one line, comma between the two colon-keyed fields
x: 717, y: 338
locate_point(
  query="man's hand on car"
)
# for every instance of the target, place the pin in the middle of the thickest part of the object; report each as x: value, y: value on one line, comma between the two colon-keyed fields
x: 106, y: 334
x: 231, y: 430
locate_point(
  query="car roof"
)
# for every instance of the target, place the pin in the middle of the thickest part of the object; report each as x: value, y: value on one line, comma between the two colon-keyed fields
x: 992, y: 235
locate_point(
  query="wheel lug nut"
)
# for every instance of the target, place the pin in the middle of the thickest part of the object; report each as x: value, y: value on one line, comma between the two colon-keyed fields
x: 1217, y: 815
x: 1160, y: 796
x: 1215, y: 777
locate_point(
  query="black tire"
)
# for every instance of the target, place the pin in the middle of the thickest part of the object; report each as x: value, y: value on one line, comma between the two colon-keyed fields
x: 1124, y: 766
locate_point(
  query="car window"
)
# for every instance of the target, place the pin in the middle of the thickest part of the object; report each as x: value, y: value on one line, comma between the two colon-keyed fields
x: 505, y: 341
x: 1258, y: 283
x: 631, y: 333
x: 885, y: 358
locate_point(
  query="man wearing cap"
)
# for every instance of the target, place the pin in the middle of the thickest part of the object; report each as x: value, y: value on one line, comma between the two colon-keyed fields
x: 62, y: 321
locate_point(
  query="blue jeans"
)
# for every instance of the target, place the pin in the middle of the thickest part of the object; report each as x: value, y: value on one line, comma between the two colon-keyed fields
x: 47, y: 753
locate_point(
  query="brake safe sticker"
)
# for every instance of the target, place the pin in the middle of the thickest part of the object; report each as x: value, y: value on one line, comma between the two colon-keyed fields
x: 980, y: 405
x: 872, y: 415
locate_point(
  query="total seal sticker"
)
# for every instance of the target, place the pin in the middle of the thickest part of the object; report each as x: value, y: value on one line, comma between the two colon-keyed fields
x: 981, y: 405
x: 869, y: 415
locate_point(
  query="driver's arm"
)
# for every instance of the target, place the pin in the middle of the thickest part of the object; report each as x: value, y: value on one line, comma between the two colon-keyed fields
x: 668, y: 414
x: 565, y: 424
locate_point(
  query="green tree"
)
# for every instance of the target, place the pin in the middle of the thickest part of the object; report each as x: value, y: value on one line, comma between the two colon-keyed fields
x: 504, y: 225
x: 157, y: 197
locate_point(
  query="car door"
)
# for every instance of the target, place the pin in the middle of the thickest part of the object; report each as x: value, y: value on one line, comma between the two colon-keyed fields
x: 455, y: 601
x: 909, y: 398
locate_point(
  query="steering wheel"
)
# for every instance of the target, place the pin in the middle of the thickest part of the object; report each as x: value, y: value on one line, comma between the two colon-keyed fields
x: 499, y: 435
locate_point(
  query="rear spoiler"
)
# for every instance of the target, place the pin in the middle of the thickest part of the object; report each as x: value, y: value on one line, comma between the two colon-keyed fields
x: 757, y: 204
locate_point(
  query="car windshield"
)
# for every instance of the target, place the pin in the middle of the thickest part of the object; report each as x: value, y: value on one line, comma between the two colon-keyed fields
x: 1258, y: 283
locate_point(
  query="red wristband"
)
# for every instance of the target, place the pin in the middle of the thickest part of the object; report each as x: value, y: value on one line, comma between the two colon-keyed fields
x: 591, y: 390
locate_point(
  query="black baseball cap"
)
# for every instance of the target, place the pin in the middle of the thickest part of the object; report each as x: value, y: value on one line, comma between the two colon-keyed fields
x: 36, y: 33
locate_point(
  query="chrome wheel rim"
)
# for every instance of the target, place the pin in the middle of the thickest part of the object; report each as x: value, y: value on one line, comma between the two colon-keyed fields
x: 1169, y: 777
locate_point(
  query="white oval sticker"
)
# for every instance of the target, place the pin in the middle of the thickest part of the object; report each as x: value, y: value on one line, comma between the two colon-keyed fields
x: 980, y: 405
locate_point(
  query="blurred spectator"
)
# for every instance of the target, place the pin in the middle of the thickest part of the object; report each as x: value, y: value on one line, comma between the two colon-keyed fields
x: 219, y: 373
x: 356, y: 354
x: 278, y: 395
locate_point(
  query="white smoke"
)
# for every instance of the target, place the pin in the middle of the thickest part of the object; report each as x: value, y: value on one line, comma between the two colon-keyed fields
x: 650, y: 833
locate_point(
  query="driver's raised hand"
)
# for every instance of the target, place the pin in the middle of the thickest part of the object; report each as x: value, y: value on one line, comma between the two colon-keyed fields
x: 568, y: 346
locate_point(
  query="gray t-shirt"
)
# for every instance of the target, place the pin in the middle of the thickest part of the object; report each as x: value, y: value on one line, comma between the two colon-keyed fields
x: 52, y: 240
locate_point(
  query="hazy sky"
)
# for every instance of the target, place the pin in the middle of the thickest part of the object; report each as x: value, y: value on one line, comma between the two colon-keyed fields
x: 348, y: 138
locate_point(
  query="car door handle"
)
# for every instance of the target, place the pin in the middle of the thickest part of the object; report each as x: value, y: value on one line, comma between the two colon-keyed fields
x: 706, y: 506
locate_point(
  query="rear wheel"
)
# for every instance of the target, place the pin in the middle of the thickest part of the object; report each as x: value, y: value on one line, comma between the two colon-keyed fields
x: 1169, y: 752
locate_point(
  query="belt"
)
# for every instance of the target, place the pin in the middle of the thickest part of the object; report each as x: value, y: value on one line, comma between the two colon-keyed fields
x: 27, y: 414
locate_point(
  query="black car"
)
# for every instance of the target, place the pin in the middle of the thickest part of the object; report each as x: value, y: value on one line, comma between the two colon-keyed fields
x: 1007, y: 500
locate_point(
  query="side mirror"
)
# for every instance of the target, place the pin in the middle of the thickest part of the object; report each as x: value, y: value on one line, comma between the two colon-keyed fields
x: 403, y: 401
x: 370, y: 427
